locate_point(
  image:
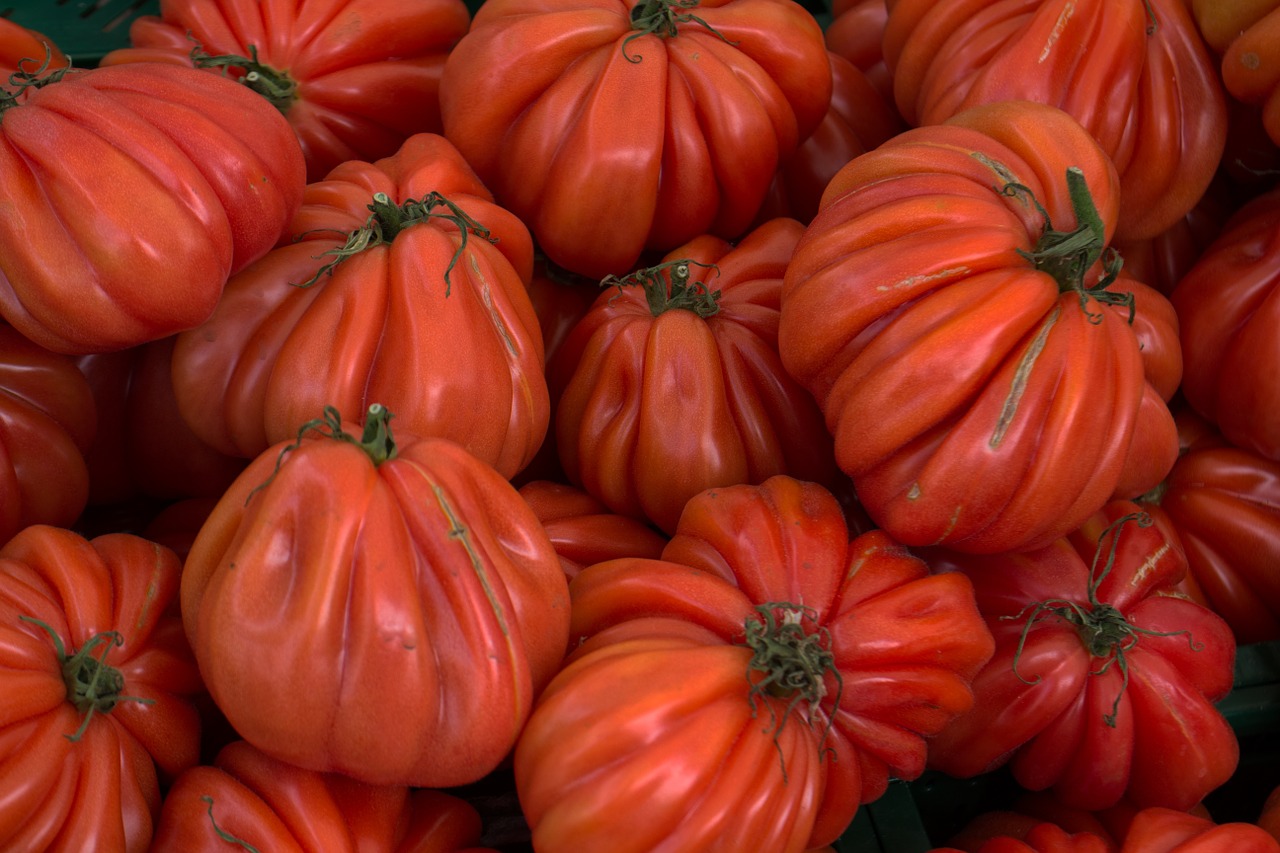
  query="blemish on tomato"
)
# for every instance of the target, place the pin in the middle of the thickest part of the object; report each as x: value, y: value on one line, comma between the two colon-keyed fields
x: 1058, y: 27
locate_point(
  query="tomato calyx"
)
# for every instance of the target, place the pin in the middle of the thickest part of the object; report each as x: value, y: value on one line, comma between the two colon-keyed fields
x: 376, y: 439
x: 674, y: 291
x: 93, y: 685
x: 1103, y: 629
x: 387, y: 219
x: 793, y: 663
x: 271, y: 83
x: 30, y: 78
x: 662, y: 18
x: 1068, y: 256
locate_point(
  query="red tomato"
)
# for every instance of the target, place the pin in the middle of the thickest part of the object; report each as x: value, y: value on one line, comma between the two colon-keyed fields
x: 28, y: 48
x: 755, y: 685
x: 1270, y: 817
x: 1135, y: 73
x: 1228, y: 308
x: 133, y: 193
x: 856, y: 32
x: 673, y: 384
x: 949, y: 343
x: 48, y: 421
x: 409, y: 560
x: 355, y: 78
x: 1102, y: 679
x: 96, y: 683
x: 260, y: 803
x: 583, y: 530
x: 1037, y: 838
x: 650, y: 122
x: 1251, y: 61
x: 1159, y: 830
x: 142, y: 445
x: 430, y: 317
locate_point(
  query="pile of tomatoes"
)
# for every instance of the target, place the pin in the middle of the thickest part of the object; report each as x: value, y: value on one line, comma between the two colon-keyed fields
x: 683, y: 416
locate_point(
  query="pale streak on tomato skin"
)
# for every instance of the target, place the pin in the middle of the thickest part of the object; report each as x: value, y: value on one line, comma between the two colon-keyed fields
x: 461, y: 534
x: 1021, y: 377
x: 1058, y: 27
x: 1149, y: 565
x: 913, y: 280
x: 486, y: 296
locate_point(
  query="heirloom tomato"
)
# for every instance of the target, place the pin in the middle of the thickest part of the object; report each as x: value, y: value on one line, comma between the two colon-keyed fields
x: 250, y: 800
x: 753, y: 686
x: 672, y: 384
x: 856, y: 32
x: 382, y: 606
x: 48, y: 421
x: 96, y: 690
x: 989, y: 379
x: 1228, y: 308
x: 613, y: 127
x: 131, y: 194
x: 1103, y: 681
x: 1135, y: 73
x: 1247, y: 35
x: 584, y: 531
x: 401, y: 282
x: 354, y: 78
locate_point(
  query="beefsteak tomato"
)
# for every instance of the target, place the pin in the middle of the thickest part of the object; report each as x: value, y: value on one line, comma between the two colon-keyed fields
x: 354, y: 78
x: 382, y: 606
x: 131, y: 194
x: 415, y: 296
x: 96, y: 690
x: 583, y: 530
x: 1103, y: 682
x: 752, y: 687
x: 955, y: 312
x: 651, y: 121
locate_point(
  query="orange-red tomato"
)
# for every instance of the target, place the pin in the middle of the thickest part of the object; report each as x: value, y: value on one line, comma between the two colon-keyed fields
x: 583, y: 530
x: 354, y: 78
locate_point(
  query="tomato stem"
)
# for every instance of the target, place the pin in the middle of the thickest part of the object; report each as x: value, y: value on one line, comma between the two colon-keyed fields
x: 93, y: 685
x: 1103, y: 629
x: 1068, y: 256
x: 273, y: 84
x: 793, y: 661
x: 662, y: 18
x: 26, y: 78
x: 674, y: 291
x: 387, y: 219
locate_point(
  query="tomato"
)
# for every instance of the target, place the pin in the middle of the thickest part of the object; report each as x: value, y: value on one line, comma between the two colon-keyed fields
x: 430, y: 317
x: 651, y: 122
x: 944, y: 354
x: 409, y: 560
x: 1160, y: 830
x: 583, y: 531
x: 856, y: 32
x: 132, y: 194
x: 97, y: 683
x: 1228, y: 308
x: 1161, y: 261
x: 1037, y: 838
x: 1269, y: 819
x: 1224, y: 503
x: 28, y: 48
x: 1135, y: 73
x: 755, y: 685
x: 255, y: 801
x: 1102, y: 680
x: 354, y: 78
x: 142, y: 445
x: 673, y: 384
x: 1251, y: 62
x: 48, y: 421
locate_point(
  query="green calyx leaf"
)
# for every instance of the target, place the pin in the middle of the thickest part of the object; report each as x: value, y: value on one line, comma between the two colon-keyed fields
x: 387, y: 219
x: 1103, y: 629
x: 1069, y: 256
x: 663, y: 18
x: 271, y: 83
x: 93, y: 685
x: 27, y: 77
x: 667, y: 287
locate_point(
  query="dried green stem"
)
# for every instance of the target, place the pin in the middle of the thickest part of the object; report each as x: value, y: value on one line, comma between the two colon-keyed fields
x: 667, y: 287
x: 27, y: 77
x: 272, y: 83
x: 663, y: 18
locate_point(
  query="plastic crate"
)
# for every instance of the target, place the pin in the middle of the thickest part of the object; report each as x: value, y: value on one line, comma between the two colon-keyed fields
x: 85, y: 30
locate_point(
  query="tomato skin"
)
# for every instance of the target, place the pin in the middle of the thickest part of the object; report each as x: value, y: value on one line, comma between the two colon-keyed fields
x: 1161, y: 830
x: 584, y: 531
x: 367, y: 72
x: 1251, y: 68
x: 942, y: 357
x: 427, y: 575
x: 665, y: 636
x: 1046, y: 715
x: 1163, y: 120
x: 101, y: 792
x: 656, y: 409
x: 382, y: 327
x: 634, y: 156
x: 48, y: 421
x: 1228, y: 307
x: 95, y: 161
x: 275, y: 806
